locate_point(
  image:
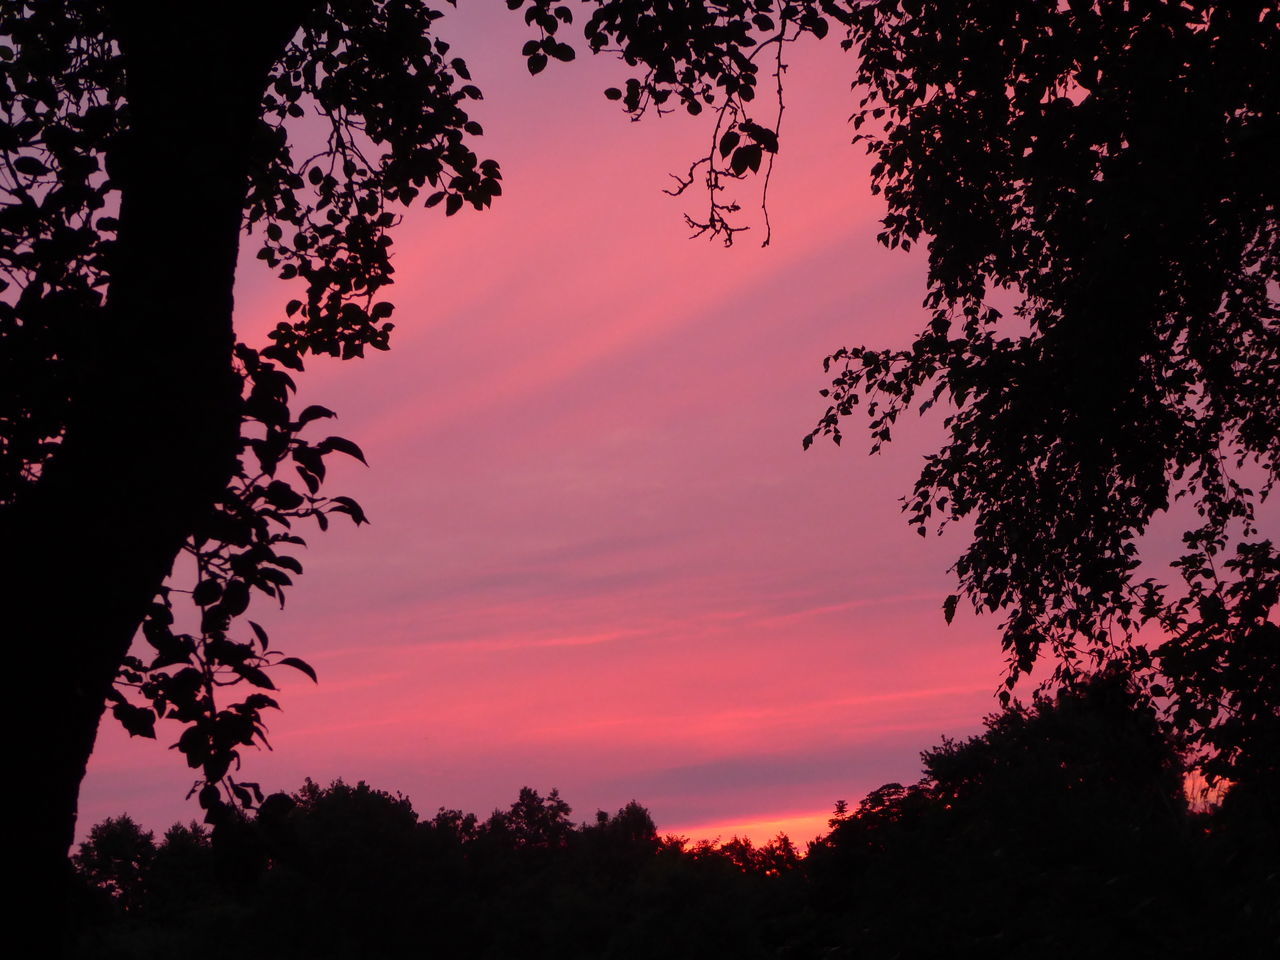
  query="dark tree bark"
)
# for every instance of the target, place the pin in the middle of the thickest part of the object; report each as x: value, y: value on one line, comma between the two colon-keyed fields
x: 154, y: 432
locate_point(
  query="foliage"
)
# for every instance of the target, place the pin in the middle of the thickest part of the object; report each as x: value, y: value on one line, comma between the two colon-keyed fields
x: 1060, y: 831
x: 390, y: 122
x: 117, y: 857
x: 331, y: 870
x: 1102, y: 299
x: 691, y: 56
x: 1106, y: 169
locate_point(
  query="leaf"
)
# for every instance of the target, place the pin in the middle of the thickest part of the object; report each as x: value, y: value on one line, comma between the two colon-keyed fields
x: 728, y: 142
x: 949, y: 607
x: 288, y: 563
x: 274, y: 576
x: 314, y: 412
x: 300, y: 665
x: 283, y: 355
x: 746, y: 158
x: 235, y: 598
x: 350, y: 508
x: 206, y: 592
x: 217, y: 764
x: 31, y: 166
x: 254, y: 675
x: 260, y: 634
x: 537, y: 63
x: 139, y: 721
x: 310, y: 479
x: 561, y: 51
x: 209, y: 798
x: 766, y: 138
x: 342, y: 445
x: 280, y: 494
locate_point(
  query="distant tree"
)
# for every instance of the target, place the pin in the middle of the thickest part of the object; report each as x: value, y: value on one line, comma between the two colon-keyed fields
x: 365, y: 877
x: 183, y: 870
x: 117, y: 858
x: 456, y: 826
x: 533, y: 822
x: 1061, y: 829
x: 349, y: 825
x: 630, y: 827
x: 1091, y: 758
x: 772, y: 859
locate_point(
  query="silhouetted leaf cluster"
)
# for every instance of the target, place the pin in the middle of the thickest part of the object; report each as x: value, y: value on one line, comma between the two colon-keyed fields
x: 693, y: 56
x: 1096, y: 186
x: 362, y: 111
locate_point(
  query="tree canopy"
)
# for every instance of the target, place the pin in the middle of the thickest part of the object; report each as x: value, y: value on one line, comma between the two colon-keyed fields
x: 1060, y: 830
x: 1095, y: 184
x: 1092, y: 181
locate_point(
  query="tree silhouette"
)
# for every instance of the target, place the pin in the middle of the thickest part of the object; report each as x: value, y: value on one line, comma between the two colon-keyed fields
x: 352, y: 869
x: 139, y: 145
x: 1039, y: 149
x: 118, y: 857
x: 1095, y: 184
x: 1060, y: 831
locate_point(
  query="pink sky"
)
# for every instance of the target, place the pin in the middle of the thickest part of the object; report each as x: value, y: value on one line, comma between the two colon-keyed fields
x: 598, y: 558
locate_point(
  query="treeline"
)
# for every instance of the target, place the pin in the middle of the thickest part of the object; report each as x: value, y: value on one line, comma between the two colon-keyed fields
x: 1062, y: 831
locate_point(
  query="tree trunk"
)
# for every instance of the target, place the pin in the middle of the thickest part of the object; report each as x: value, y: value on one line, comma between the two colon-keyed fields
x: 154, y: 431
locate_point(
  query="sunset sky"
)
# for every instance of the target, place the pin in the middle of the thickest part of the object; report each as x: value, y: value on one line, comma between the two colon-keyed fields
x: 599, y: 559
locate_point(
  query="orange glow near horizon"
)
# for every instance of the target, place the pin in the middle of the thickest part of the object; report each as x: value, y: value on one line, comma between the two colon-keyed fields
x: 799, y: 827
